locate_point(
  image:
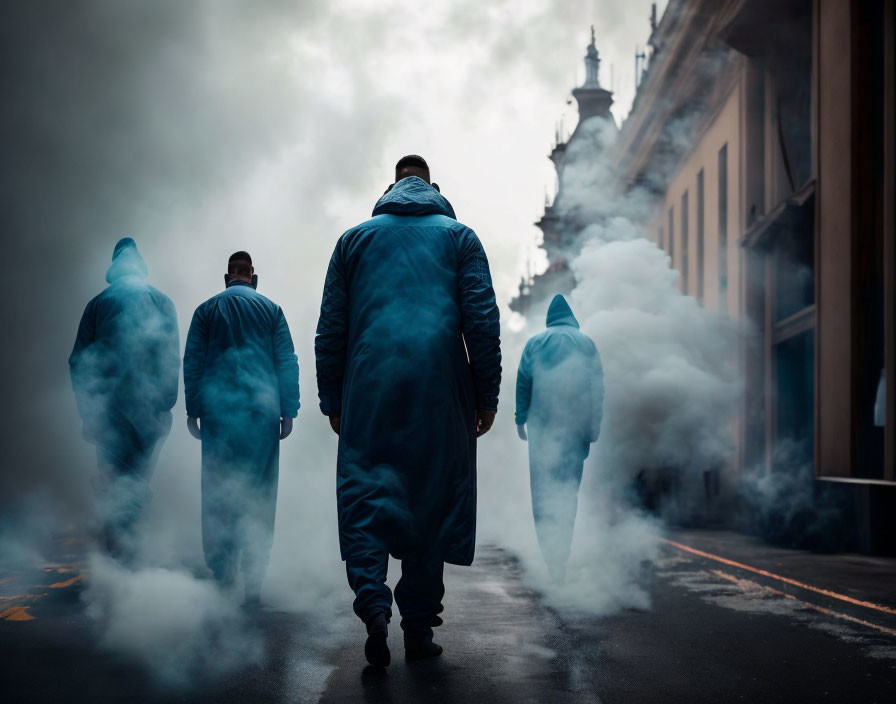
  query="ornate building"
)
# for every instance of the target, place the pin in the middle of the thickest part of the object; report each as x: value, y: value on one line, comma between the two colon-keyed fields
x: 564, y: 220
x: 763, y: 132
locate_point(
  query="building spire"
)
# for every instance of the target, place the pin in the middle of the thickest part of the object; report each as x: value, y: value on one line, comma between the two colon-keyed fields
x: 593, y: 100
x: 592, y: 64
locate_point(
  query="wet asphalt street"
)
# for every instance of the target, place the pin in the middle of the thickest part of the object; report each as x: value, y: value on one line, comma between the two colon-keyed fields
x: 715, y: 632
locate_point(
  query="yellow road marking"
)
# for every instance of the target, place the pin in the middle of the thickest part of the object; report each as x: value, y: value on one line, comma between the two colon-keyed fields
x: 786, y: 580
x: 16, y: 613
x: 808, y: 605
x: 66, y: 583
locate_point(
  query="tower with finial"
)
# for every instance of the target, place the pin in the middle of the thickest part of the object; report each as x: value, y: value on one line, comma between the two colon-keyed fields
x: 592, y: 63
x: 593, y: 100
x: 563, y: 218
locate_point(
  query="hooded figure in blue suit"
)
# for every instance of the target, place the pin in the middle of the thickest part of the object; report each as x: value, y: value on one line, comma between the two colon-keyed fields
x: 408, y: 371
x: 124, y: 370
x: 241, y: 384
x: 559, y: 395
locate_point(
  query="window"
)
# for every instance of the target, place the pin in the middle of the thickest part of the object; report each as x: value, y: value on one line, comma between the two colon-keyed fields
x: 794, y: 402
x: 684, y: 243
x: 700, y: 236
x: 723, y: 228
x: 672, y: 235
x: 794, y: 272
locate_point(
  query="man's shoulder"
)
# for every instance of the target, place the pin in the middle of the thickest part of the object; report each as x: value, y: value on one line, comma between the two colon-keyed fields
x: 243, y: 293
x: 160, y: 298
x: 538, y: 337
x: 390, y: 220
x: 586, y: 344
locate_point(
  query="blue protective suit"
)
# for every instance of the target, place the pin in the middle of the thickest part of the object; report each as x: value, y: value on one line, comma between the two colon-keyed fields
x: 241, y: 375
x: 124, y: 370
x: 559, y: 396
x: 405, y: 292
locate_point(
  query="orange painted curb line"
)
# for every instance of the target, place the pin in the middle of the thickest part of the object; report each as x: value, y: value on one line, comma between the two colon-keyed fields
x: 787, y: 580
x: 806, y: 604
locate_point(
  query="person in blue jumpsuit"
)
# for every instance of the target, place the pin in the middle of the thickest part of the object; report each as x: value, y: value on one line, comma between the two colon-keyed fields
x: 408, y: 371
x: 241, y: 384
x: 559, y: 396
x: 124, y: 370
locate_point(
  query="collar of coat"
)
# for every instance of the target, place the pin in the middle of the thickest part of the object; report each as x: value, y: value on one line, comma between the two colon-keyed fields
x: 413, y: 196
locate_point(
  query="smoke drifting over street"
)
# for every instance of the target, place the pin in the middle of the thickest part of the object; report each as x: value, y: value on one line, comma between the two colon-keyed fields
x: 671, y: 385
x: 204, y: 128
x: 184, y: 630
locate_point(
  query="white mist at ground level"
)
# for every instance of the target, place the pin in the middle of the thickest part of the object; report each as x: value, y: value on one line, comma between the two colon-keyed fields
x: 671, y: 388
x: 181, y: 628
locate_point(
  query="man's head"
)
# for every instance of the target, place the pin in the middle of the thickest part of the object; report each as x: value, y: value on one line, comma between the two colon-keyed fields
x: 239, y: 268
x: 411, y: 165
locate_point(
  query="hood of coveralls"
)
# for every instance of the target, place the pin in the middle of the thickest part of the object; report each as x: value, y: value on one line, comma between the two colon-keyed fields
x: 126, y: 261
x: 413, y: 196
x: 559, y: 313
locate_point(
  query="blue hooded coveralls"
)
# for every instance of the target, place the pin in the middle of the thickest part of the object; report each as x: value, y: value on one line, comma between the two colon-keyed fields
x: 241, y: 375
x: 124, y: 370
x: 407, y: 349
x: 559, y: 396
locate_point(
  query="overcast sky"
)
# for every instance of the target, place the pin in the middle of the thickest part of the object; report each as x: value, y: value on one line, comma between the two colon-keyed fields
x: 204, y: 127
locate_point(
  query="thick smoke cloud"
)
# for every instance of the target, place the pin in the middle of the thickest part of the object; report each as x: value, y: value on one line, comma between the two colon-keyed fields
x: 671, y: 386
x: 202, y: 128
x: 183, y: 629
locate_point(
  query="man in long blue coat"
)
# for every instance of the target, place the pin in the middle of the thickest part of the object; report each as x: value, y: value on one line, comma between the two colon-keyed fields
x: 408, y: 371
x: 559, y: 395
x: 124, y: 370
x: 241, y: 383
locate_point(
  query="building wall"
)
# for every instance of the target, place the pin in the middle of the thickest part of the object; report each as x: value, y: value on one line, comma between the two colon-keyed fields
x: 723, y: 131
x: 720, y: 145
x: 808, y: 114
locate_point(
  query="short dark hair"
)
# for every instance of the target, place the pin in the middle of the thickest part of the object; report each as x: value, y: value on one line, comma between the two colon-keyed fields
x: 411, y: 165
x: 240, y: 264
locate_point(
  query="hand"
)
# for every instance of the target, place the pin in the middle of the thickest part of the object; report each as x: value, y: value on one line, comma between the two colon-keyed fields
x: 521, y: 431
x: 285, y: 427
x: 484, y: 420
x: 193, y: 427
x: 334, y: 424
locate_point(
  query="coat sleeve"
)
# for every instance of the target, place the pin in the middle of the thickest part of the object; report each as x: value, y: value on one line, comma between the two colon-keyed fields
x: 77, y: 364
x: 597, y: 396
x: 170, y: 352
x: 480, y: 322
x: 524, y: 387
x: 331, y: 340
x: 287, y: 365
x: 194, y: 363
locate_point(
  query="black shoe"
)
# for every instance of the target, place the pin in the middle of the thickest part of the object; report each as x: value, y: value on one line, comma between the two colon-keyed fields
x: 418, y: 645
x: 376, y: 649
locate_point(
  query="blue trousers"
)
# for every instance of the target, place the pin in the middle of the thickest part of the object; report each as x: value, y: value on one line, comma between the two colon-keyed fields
x: 556, y: 463
x: 418, y: 593
x: 126, y: 462
x: 240, y: 470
